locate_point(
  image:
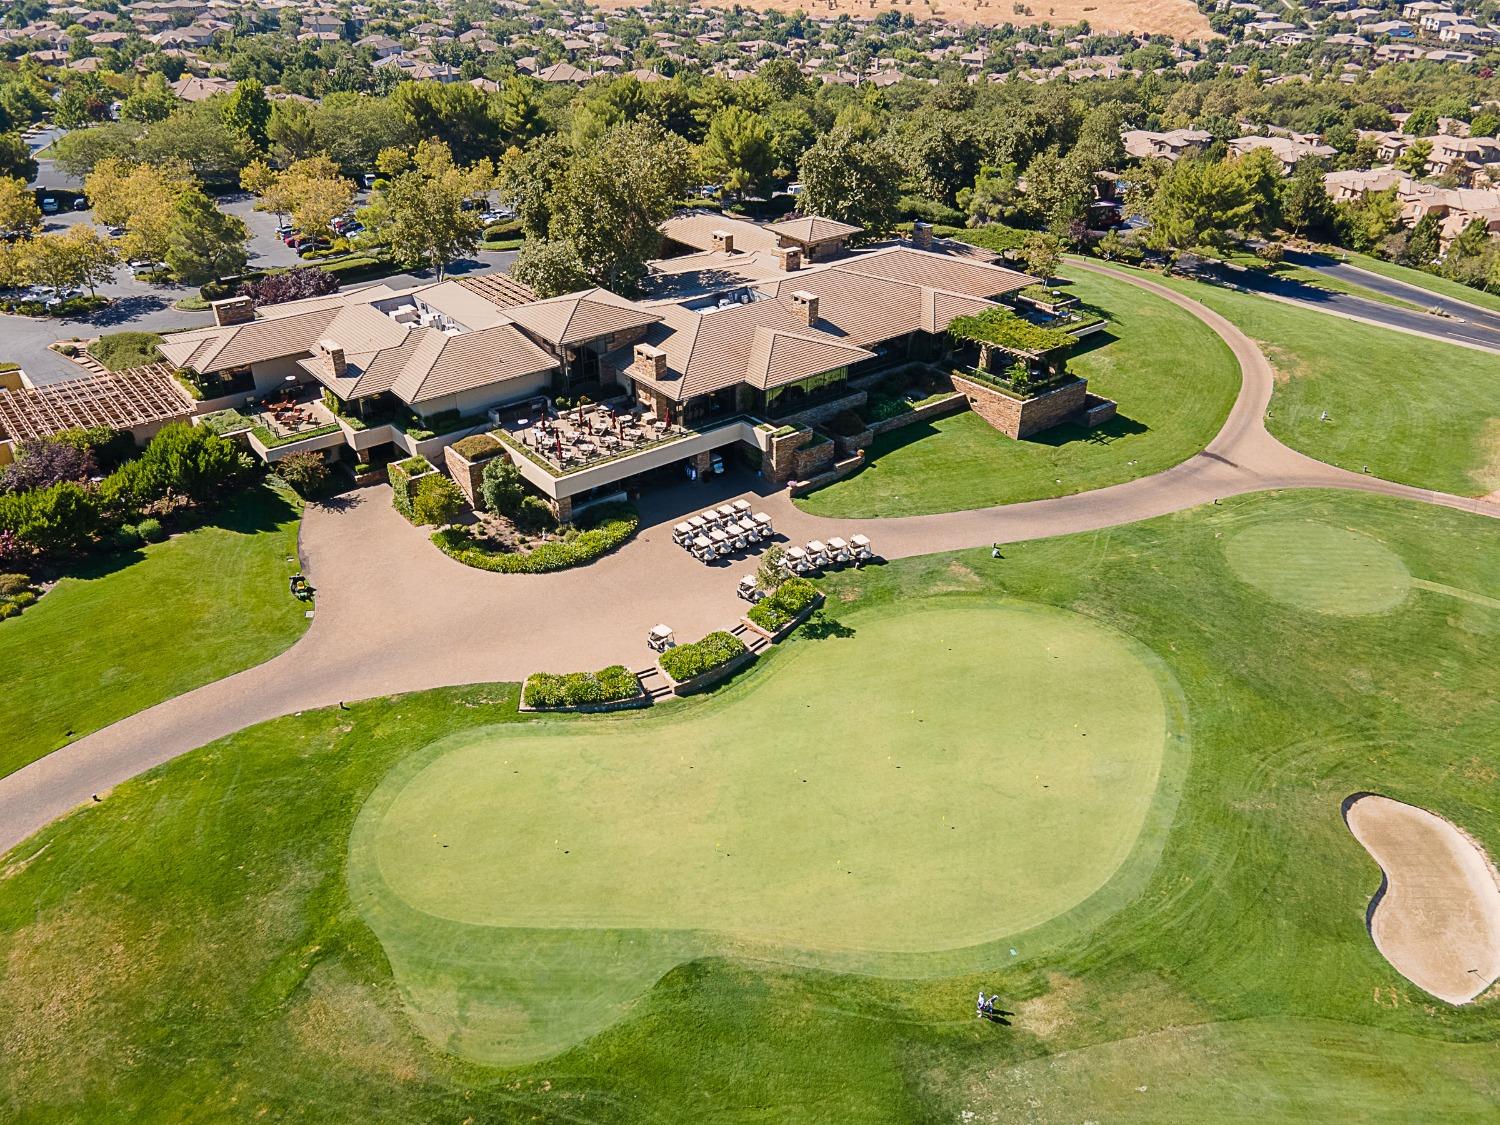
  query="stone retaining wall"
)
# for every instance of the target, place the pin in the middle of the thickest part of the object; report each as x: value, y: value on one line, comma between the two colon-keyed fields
x: 709, y: 678
x: 949, y: 405
x: 1022, y: 417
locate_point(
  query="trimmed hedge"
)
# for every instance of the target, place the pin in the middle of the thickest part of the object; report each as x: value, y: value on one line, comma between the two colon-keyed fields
x: 686, y: 662
x: 119, y: 351
x: 476, y: 446
x: 612, y: 525
x: 579, y: 689
x: 399, y: 475
x: 781, y: 608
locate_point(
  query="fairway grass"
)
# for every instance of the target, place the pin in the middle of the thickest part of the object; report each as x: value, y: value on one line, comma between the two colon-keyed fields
x: 1173, y: 378
x: 902, y: 791
x: 189, y: 948
x: 1402, y: 407
x: 1312, y: 565
x: 134, y: 630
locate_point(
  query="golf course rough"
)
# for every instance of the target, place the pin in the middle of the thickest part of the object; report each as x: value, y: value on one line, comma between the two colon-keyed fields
x: 1307, y: 564
x: 957, y: 772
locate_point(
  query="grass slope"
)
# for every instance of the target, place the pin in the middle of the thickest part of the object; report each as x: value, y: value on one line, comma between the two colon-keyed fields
x: 843, y: 813
x: 1173, y: 378
x: 135, y: 630
x: 188, y: 949
x: 1411, y: 409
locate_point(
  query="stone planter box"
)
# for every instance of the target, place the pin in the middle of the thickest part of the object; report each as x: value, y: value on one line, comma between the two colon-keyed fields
x: 635, y: 702
x: 787, y: 629
x: 374, y: 476
x: 854, y: 442
x: 707, y: 679
x: 1021, y: 417
x: 951, y: 404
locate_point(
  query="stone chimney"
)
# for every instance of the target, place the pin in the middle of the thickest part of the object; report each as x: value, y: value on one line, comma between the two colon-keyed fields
x: 723, y: 241
x: 651, y: 362
x: 790, y: 258
x: 807, y: 304
x: 233, y: 310
x: 333, y: 357
x: 921, y: 235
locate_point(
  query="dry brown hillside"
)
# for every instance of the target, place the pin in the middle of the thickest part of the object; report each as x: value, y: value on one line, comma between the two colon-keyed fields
x: 1180, y: 19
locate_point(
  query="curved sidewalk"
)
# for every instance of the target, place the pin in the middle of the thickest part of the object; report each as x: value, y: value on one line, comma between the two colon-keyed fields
x: 395, y: 615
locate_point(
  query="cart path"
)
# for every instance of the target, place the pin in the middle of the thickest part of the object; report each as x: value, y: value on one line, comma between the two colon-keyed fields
x: 396, y: 615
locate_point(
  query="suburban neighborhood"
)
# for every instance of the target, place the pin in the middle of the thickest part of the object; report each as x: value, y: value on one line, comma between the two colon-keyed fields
x: 616, y: 563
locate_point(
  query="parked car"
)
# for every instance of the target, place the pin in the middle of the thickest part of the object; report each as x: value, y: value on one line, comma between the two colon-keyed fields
x: 50, y: 205
x: 114, y: 231
x: 368, y: 180
x: 80, y: 204
x: 284, y: 231
x: 63, y: 295
x: 139, y: 267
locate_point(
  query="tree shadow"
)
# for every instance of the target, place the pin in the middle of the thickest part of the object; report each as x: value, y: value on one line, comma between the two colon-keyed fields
x: 123, y: 309
x: 820, y: 627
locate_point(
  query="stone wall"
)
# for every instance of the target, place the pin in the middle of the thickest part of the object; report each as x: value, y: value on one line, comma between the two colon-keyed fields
x: 467, y: 474
x: 1022, y: 417
x: 816, y: 415
x: 1098, y: 411
x: 950, y: 405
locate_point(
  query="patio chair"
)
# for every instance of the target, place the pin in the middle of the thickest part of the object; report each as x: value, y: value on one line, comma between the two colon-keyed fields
x: 682, y: 534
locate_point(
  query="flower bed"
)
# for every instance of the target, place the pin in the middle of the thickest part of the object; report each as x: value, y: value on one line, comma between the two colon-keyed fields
x: 573, y: 691
x: 611, y: 525
x: 791, y: 600
x: 689, y: 666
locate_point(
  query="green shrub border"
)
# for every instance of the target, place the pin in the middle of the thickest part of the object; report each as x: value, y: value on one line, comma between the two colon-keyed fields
x: 550, y: 690
x: 688, y: 662
x: 400, y: 475
x: 780, y: 609
x: 610, y: 526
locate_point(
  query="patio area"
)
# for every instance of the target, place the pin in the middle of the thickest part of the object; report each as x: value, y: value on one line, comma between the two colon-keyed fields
x: 567, y: 440
x: 294, y: 411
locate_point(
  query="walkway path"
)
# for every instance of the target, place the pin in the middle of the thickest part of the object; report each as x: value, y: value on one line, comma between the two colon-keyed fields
x: 395, y: 615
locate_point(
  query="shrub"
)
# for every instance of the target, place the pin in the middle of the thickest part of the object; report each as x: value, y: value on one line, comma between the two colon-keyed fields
x: 126, y: 537
x: 121, y: 350
x: 714, y: 651
x: 501, y: 487
x: 13, y: 584
x: 41, y: 464
x: 108, y: 447
x: 305, y: 473
x: 476, y: 446
x: 400, y: 475
x: 789, y: 599
x: 181, y: 460
x: 576, y: 689
x: 55, y: 520
x: 150, y: 530
x: 611, y: 525
x: 294, y: 285
x: 436, y: 500
x: 930, y: 211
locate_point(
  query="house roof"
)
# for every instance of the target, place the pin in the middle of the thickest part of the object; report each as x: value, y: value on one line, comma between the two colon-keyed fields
x: 765, y: 343
x: 219, y: 349
x: 697, y: 228
x: 440, y: 364
x: 812, y: 229
x: 575, y: 318
x: 122, y: 400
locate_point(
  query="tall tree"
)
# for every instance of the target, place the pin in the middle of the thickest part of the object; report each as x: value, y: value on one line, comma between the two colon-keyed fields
x: 737, y: 150
x: 1305, y: 205
x: 1200, y: 203
x: 204, y: 244
x: 19, y: 213
x: 852, y: 180
x: 421, y: 214
x: 247, y: 111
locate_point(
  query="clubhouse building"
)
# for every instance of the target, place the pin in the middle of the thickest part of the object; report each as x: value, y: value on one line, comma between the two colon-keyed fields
x: 750, y: 336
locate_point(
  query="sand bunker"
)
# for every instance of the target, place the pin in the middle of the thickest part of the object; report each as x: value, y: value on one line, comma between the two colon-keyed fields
x: 1436, y: 919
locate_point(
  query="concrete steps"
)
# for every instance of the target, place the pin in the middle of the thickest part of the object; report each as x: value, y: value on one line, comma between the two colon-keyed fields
x: 755, y: 642
x: 653, y: 683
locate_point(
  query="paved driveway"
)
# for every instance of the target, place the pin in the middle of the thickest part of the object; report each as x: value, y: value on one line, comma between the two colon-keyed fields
x: 1391, y: 287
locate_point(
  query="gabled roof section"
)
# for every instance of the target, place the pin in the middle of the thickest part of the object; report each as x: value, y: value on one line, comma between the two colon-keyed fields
x: 696, y: 228
x: 575, y: 318
x: 221, y: 348
x: 441, y: 364
x: 499, y: 289
x: 936, y: 271
x: 778, y: 356
x: 813, y: 229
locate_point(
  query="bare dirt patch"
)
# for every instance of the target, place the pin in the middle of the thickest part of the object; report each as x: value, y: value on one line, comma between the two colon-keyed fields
x: 1180, y: 19
x: 1436, y: 918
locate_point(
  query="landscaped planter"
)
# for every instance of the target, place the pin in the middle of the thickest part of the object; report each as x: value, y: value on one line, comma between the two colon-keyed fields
x: 1019, y: 417
x: 708, y: 679
x: 949, y: 404
x: 638, y: 700
x: 787, y: 629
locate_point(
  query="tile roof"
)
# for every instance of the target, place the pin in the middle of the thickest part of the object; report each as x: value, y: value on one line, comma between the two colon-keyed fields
x: 696, y: 229
x: 812, y: 229
x: 765, y: 343
x: 442, y: 364
x: 578, y: 317
x: 256, y: 341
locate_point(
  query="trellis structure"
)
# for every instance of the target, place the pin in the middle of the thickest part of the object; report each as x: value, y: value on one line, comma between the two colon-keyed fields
x: 140, y: 399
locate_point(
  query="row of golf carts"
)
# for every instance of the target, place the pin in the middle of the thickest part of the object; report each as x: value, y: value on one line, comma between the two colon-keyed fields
x: 717, y: 532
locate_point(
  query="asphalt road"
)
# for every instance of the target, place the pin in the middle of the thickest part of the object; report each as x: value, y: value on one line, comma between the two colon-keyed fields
x: 1451, y: 328
x: 1426, y: 298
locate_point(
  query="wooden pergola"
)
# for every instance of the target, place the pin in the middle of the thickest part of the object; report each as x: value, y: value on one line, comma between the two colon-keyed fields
x: 124, y: 400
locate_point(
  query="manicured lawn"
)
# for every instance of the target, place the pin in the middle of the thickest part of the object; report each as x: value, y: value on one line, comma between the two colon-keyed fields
x: 741, y: 840
x: 1411, y: 409
x: 1174, y: 380
x: 190, y: 948
x: 138, y: 629
x: 1441, y: 286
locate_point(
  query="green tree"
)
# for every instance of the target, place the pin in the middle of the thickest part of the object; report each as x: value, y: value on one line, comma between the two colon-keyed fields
x: 1425, y: 244
x: 204, y: 243
x: 1200, y: 203
x: 994, y: 196
x: 1365, y: 222
x: 502, y: 487
x: 1414, y: 160
x: 1305, y: 205
x: 518, y: 110
x: 737, y: 150
x: 550, y: 267
x: 153, y: 100
x: 1059, y: 189
x: 530, y: 181
x: 289, y: 131
x: 1042, y: 254
x: 247, y: 111
x: 852, y: 180
x: 19, y: 213
x: 1422, y: 122
x: 15, y: 158
x: 1261, y: 171
x: 420, y: 214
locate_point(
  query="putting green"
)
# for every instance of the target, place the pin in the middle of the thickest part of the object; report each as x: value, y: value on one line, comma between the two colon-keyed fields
x: 952, y: 773
x: 1311, y: 565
